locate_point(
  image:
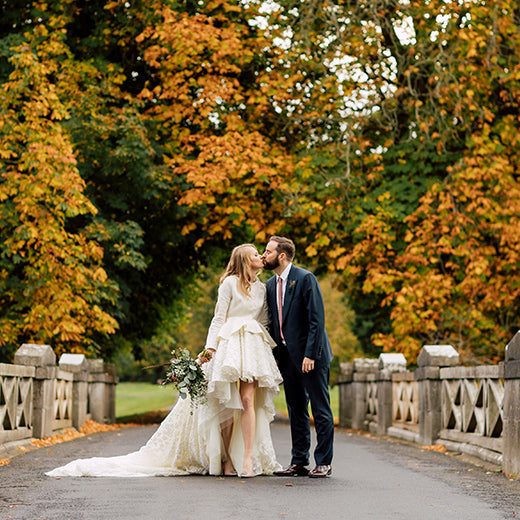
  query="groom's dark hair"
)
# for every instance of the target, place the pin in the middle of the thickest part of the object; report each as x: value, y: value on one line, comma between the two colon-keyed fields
x: 285, y: 245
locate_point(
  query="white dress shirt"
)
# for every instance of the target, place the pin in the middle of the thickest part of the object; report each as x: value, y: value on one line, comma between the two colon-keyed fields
x: 284, y: 277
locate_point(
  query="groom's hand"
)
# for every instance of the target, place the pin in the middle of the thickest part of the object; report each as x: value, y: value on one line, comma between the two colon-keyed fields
x: 307, y: 365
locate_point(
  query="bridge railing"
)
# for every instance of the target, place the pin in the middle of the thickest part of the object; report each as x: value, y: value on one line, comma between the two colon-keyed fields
x: 405, y: 404
x: 473, y: 410
x: 39, y: 397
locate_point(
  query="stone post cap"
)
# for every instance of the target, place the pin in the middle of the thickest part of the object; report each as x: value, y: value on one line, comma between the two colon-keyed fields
x: 392, y: 362
x: 96, y: 365
x: 513, y: 348
x: 365, y: 365
x: 346, y: 368
x: 438, y: 356
x: 35, y: 355
x: 73, y: 362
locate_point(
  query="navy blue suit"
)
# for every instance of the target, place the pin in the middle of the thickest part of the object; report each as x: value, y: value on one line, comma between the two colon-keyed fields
x: 303, y: 327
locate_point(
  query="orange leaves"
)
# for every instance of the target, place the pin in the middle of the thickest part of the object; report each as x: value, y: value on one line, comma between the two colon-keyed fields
x: 230, y: 172
x: 228, y: 176
x: 196, y: 60
x: 464, y: 294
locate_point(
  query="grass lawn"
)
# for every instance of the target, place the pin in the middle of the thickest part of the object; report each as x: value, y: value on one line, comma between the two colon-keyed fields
x: 139, y: 398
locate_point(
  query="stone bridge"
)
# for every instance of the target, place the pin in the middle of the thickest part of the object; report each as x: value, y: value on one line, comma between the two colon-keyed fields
x: 473, y: 410
x: 39, y: 397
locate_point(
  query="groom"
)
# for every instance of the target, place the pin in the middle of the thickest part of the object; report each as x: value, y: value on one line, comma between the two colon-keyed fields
x: 297, y: 321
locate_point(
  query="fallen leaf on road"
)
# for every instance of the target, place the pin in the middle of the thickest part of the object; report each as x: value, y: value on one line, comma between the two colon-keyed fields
x: 435, y: 447
x: 69, y: 435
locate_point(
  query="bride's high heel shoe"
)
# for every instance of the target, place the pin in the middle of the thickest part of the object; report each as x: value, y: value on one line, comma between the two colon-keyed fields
x: 247, y: 471
x: 229, y: 471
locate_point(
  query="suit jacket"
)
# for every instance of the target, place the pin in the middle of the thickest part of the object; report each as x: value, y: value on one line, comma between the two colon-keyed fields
x: 303, y: 318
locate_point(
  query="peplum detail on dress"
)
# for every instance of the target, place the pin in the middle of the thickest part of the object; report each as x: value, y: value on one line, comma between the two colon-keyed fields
x: 252, y: 326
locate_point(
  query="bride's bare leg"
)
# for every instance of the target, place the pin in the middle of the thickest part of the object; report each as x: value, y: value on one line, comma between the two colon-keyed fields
x: 248, y: 423
x: 226, y: 430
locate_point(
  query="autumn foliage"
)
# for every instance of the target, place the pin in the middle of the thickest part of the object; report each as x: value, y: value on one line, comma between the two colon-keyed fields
x: 52, y: 281
x: 139, y: 140
x: 432, y: 206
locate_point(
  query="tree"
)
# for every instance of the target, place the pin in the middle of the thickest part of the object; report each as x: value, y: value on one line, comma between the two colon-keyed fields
x: 204, y: 95
x: 412, y: 103
x: 171, y: 167
x: 52, y: 283
x: 462, y: 239
x: 380, y: 135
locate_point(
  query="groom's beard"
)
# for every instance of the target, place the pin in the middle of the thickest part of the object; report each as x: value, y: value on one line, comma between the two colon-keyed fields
x: 272, y: 265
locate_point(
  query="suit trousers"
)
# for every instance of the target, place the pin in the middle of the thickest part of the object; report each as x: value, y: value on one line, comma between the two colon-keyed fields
x: 299, y: 390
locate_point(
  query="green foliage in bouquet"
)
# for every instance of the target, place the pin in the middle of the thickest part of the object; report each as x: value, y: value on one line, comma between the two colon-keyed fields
x: 186, y: 374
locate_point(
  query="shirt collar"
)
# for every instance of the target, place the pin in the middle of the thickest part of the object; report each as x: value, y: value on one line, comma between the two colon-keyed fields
x: 285, y: 273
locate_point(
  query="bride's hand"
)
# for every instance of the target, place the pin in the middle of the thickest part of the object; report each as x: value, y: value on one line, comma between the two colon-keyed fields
x: 206, y: 355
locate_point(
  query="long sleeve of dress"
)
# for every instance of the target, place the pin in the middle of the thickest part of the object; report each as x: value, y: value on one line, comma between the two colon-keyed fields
x: 221, y: 311
x: 263, y: 317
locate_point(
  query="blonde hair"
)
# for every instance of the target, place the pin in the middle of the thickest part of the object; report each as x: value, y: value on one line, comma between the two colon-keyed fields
x: 240, y: 265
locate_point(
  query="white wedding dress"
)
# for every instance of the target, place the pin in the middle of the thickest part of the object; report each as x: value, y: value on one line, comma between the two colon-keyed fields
x: 189, y: 440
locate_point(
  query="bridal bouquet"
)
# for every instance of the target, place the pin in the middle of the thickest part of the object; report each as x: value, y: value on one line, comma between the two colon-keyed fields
x: 187, y: 376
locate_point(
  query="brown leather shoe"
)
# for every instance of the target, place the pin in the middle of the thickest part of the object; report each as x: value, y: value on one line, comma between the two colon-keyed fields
x: 321, y: 472
x: 294, y: 470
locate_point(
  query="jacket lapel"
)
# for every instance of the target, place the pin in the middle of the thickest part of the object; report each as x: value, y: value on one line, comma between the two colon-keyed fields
x: 271, y: 297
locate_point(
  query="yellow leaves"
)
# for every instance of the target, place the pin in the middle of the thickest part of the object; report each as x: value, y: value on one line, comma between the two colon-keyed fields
x: 68, y: 330
x: 341, y: 263
x: 337, y: 251
x: 100, y: 275
x: 472, y: 51
x: 311, y: 251
x: 111, y: 5
x: 56, y: 274
x: 7, y: 154
x: 186, y: 229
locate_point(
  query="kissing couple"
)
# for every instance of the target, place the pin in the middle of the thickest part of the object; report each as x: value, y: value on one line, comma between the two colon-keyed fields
x: 260, y: 337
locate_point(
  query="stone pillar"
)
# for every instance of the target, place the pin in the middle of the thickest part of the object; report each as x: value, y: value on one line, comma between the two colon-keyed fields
x: 388, y: 364
x: 363, y: 368
x: 96, y: 390
x: 110, y: 393
x: 511, y: 408
x: 346, y: 397
x: 430, y: 360
x: 77, y: 364
x: 43, y: 358
x: 102, y: 381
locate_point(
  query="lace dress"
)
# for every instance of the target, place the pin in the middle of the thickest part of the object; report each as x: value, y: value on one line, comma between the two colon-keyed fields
x: 189, y: 441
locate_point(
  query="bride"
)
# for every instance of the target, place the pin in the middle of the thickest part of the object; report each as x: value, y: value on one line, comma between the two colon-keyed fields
x: 230, y: 434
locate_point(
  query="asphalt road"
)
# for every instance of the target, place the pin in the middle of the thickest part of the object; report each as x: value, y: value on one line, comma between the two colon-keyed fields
x: 372, y: 479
